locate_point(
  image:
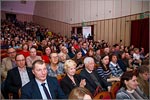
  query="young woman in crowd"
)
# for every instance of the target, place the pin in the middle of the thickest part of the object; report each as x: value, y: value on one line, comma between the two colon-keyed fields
x: 78, y: 59
x: 129, y: 87
x: 143, y: 77
x: 46, y: 56
x: 104, y: 70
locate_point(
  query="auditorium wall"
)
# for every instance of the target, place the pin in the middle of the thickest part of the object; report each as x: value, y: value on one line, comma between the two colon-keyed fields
x: 111, y: 30
x: 19, y: 16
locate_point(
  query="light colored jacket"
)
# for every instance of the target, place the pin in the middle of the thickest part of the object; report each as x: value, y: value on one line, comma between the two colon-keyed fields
x: 6, y: 65
x: 123, y: 94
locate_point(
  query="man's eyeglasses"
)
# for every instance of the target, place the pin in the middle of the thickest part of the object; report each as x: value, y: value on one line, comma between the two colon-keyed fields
x: 21, y: 60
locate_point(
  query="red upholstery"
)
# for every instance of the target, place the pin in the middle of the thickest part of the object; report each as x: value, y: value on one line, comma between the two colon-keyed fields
x: 114, y: 89
x: 39, y: 53
x: 3, y: 55
x: 103, y: 95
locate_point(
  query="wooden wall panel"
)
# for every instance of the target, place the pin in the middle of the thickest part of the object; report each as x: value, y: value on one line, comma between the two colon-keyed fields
x: 127, y: 31
x: 98, y: 32
x: 106, y: 34
x: 54, y: 26
x: 118, y: 29
x: 114, y: 30
x: 102, y: 31
x: 122, y: 30
x: 110, y: 33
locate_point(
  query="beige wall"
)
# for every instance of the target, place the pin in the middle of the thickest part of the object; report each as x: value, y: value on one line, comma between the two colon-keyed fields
x: 53, y: 25
x: 113, y: 30
x: 77, y: 11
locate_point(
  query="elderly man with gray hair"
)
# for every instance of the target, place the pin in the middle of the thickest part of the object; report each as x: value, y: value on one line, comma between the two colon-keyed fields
x: 93, y: 81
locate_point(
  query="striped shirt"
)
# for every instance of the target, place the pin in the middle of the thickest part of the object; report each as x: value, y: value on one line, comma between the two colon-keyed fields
x: 105, y: 74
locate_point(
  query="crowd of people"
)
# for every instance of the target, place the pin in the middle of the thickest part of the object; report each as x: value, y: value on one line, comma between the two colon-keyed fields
x: 28, y: 75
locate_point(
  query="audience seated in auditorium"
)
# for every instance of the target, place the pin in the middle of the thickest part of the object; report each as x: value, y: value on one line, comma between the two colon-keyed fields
x: 25, y: 32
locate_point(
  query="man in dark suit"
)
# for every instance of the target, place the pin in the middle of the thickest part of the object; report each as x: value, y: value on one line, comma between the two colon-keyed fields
x: 18, y: 76
x: 92, y: 79
x: 84, y: 48
x: 35, y: 89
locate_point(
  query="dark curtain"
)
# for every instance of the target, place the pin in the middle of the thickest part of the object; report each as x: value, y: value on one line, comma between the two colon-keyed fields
x: 140, y: 33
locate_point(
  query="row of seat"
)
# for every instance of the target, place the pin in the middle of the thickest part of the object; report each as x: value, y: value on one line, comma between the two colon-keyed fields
x: 102, y: 95
x: 4, y: 53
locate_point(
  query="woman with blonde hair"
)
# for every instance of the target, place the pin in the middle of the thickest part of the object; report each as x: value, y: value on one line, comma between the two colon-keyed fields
x: 80, y: 93
x: 71, y: 80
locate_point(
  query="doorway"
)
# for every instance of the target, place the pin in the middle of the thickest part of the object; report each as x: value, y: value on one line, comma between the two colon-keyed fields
x: 10, y: 17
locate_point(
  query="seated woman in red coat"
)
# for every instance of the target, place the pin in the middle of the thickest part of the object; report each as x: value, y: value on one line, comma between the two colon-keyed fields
x: 47, y: 51
x: 25, y: 51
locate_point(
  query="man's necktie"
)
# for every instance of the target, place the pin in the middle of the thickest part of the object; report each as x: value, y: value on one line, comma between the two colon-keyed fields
x: 46, y: 91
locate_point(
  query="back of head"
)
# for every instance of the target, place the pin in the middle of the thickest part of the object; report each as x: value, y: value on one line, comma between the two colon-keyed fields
x: 79, y: 93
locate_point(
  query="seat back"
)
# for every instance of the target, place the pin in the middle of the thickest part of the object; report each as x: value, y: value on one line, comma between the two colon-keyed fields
x: 60, y: 77
x: 78, y: 71
x: 103, y: 95
x: 4, y: 55
x: 115, y: 87
x: 39, y: 53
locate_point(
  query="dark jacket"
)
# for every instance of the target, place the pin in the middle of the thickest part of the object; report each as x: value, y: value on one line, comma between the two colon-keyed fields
x: 32, y: 91
x: 89, y: 81
x: 13, y: 81
x: 67, y: 85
